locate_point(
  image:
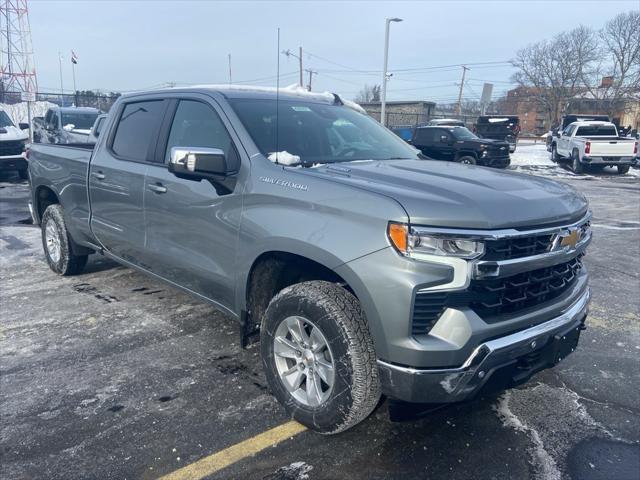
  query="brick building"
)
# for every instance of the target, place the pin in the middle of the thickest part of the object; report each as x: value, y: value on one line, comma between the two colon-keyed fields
x: 521, y: 101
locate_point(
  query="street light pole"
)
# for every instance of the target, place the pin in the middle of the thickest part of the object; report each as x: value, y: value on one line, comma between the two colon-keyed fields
x: 383, y: 98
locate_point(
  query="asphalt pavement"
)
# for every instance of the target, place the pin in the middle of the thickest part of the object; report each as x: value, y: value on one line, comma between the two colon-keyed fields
x: 111, y: 374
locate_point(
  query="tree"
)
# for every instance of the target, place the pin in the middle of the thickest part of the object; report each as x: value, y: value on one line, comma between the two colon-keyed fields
x: 554, y: 68
x: 616, y: 77
x: 369, y: 94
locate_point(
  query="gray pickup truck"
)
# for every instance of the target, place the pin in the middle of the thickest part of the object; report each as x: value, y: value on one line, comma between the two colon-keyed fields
x: 364, y: 268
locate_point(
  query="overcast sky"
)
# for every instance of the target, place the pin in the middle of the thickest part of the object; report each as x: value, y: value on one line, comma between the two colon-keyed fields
x: 129, y: 45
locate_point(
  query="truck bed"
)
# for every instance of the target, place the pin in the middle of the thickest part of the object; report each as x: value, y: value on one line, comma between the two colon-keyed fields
x: 64, y: 169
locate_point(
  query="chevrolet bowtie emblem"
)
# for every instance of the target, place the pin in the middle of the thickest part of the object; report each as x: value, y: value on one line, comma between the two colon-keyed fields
x: 566, y: 240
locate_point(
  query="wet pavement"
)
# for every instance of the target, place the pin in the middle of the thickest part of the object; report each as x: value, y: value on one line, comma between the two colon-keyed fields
x: 110, y: 374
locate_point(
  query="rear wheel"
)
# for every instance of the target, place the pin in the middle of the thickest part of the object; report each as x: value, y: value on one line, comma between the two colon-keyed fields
x: 576, y: 165
x: 57, y: 244
x: 318, y: 356
x: 467, y: 160
x: 622, y: 169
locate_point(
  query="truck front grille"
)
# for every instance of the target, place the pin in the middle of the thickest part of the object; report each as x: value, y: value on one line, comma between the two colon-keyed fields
x: 12, y: 147
x: 493, y: 298
x: 517, y: 247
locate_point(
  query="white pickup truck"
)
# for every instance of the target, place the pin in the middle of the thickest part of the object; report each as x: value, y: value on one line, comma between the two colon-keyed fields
x: 595, y: 145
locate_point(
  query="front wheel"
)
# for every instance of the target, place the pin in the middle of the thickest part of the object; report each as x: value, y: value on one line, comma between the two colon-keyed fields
x: 467, y: 160
x: 318, y: 356
x: 622, y: 169
x: 57, y: 244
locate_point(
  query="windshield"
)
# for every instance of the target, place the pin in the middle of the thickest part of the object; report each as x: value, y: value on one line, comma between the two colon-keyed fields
x: 462, y: 133
x: 597, y: 131
x: 80, y: 121
x: 318, y: 133
x: 5, y: 121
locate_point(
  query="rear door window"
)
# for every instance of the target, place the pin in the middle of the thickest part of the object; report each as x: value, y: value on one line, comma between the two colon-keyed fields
x: 137, y: 130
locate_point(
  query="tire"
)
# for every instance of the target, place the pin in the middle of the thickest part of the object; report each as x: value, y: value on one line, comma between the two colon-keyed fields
x: 23, y: 174
x: 622, y: 169
x: 576, y: 165
x: 467, y: 160
x: 555, y: 158
x: 57, y: 243
x: 320, y: 312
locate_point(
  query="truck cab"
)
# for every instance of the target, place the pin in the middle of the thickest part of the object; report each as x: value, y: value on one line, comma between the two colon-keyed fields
x: 65, y: 125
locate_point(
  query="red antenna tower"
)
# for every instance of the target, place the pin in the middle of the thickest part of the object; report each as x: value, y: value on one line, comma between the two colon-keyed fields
x: 17, y: 66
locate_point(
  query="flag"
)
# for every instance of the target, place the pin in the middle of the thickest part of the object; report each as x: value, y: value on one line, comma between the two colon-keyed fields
x: 74, y: 57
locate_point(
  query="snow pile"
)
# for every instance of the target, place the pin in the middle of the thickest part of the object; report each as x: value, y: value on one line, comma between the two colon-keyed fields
x: 294, y: 89
x: 284, y: 158
x: 18, y: 111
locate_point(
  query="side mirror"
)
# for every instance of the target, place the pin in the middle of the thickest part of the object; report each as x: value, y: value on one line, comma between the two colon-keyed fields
x: 198, y: 162
x: 23, y: 126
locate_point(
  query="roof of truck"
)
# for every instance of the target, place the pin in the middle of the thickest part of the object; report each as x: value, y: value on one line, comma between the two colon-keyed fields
x: 75, y: 109
x: 292, y: 92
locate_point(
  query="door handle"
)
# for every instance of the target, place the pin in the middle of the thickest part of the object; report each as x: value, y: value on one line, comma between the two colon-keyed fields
x: 157, y: 188
x: 98, y: 175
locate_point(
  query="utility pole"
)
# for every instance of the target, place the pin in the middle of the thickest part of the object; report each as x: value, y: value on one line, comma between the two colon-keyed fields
x: 459, y: 108
x: 61, y: 86
x: 383, y: 98
x: 230, y: 81
x: 289, y: 53
x: 300, y: 60
x: 311, y: 74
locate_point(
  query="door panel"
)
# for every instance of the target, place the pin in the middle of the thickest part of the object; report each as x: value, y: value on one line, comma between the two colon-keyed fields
x: 116, y: 179
x: 192, y: 225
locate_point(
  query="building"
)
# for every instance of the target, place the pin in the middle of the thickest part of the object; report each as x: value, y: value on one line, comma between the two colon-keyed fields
x: 401, y: 113
x: 521, y: 101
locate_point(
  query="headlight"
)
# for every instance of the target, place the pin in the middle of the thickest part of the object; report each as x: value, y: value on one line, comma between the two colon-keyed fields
x: 414, y: 242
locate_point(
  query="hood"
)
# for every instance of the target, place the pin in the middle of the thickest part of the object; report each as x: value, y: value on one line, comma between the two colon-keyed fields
x: 448, y: 194
x: 11, y: 132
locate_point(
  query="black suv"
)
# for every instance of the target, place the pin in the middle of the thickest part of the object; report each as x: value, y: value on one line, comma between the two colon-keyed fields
x: 458, y: 144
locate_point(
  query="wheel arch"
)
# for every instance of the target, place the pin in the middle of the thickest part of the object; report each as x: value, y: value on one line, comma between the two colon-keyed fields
x: 44, y: 195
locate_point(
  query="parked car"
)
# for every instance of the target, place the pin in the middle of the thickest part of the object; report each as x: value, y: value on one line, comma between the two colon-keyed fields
x: 568, y: 119
x: 505, y: 128
x: 366, y: 269
x: 458, y: 144
x: 593, y: 145
x: 64, y: 125
x: 445, y: 122
x: 13, y: 142
x: 94, y: 133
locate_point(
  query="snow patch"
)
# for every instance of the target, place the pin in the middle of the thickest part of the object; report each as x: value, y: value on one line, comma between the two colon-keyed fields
x: 294, y: 471
x: 548, y: 469
x: 294, y: 89
x: 284, y: 158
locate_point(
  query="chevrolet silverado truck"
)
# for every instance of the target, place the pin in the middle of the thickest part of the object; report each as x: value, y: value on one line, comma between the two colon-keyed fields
x: 13, y: 141
x: 593, y: 145
x: 363, y: 268
x: 458, y: 144
x: 63, y: 125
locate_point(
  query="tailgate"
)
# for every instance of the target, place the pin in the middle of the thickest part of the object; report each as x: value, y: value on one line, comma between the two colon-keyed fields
x: 611, y: 148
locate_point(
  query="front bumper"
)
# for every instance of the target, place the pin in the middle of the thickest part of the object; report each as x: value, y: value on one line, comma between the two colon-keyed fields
x: 500, y: 363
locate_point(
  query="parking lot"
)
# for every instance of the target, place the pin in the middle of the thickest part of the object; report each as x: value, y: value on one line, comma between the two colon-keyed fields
x: 110, y: 374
